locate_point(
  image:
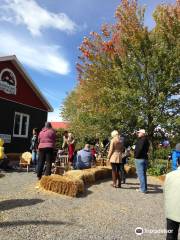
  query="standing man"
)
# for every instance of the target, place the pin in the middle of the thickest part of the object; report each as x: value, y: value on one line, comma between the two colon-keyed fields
x: 172, y: 202
x: 141, y: 159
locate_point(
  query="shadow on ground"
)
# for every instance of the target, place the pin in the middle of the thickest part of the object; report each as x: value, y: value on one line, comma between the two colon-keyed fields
x: 14, y: 203
x: 2, y: 175
x: 87, y: 186
x: 152, y: 188
x: 41, y: 222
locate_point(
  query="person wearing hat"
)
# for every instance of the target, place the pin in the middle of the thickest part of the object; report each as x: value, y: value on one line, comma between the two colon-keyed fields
x: 141, y: 158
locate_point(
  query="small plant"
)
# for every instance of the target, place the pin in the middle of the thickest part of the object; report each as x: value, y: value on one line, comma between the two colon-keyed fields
x: 157, y: 170
x: 160, y: 153
x: 131, y: 161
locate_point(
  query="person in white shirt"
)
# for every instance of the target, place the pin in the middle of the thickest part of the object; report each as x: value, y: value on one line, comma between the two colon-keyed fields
x: 172, y: 202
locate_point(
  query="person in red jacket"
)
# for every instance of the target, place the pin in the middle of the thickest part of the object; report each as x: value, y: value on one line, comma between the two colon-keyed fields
x: 46, y: 139
x: 93, y: 152
x: 71, y: 147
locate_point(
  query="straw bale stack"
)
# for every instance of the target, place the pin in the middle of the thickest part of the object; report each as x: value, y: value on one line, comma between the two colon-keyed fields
x: 86, y: 175
x: 65, y: 185
x: 89, y: 176
x: 74, y: 181
x: 101, y: 173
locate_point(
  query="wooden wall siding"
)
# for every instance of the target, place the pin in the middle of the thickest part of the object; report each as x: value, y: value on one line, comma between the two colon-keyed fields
x: 7, y: 112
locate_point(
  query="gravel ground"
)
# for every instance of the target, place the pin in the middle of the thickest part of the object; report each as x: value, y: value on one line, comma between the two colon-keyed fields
x: 102, y: 213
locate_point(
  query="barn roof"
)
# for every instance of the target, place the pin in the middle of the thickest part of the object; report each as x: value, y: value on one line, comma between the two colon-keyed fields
x: 28, y: 79
x: 63, y: 125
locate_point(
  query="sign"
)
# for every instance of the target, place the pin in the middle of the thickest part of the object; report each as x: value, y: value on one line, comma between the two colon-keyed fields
x: 6, y: 138
x: 8, y: 82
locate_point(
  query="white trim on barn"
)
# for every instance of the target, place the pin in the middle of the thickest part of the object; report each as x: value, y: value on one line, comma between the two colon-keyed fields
x: 23, y: 104
x: 28, y: 79
x: 20, y: 125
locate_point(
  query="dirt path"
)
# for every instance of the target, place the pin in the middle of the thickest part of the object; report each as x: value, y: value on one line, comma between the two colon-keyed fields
x: 102, y: 213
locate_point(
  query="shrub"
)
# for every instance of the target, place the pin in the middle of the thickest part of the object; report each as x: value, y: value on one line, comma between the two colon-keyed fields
x: 157, y: 167
x: 160, y: 153
x: 59, y: 138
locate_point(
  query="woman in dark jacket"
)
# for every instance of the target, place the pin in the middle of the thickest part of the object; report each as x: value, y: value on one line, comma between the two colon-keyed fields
x: 47, y: 138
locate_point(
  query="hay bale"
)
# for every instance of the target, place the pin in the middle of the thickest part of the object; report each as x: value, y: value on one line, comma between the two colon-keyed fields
x: 102, y: 172
x: 89, y: 176
x: 63, y: 185
x: 85, y: 175
x: 74, y: 181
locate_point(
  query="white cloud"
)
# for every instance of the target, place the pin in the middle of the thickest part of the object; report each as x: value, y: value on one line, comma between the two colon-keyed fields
x: 39, y: 56
x: 34, y: 16
x: 55, y: 116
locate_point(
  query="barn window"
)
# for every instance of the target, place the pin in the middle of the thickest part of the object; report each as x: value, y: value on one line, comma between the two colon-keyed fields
x: 21, y: 125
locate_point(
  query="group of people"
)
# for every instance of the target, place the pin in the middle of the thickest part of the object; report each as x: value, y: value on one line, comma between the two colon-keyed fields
x: 81, y: 159
x: 43, y: 145
x: 117, y: 153
x: 172, y: 180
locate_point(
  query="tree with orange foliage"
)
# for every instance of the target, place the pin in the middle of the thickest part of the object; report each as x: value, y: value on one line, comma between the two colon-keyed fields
x: 129, y: 75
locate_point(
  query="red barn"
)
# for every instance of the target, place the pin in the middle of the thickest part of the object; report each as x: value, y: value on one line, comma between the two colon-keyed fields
x: 62, y: 125
x: 22, y: 106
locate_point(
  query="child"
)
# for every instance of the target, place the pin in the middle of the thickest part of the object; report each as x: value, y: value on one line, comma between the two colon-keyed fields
x: 34, y: 148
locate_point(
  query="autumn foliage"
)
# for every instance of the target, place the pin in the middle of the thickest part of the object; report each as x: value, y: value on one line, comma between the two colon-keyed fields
x: 128, y: 75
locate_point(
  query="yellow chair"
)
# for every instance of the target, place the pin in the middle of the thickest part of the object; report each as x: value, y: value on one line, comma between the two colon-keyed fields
x: 25, y: 160
x: 1, y: 149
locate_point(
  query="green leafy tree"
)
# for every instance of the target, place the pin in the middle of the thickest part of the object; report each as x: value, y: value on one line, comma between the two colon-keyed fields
x: 128, y: 75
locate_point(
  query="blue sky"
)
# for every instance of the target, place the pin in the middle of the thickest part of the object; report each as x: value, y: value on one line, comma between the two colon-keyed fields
x: 45, y: 36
